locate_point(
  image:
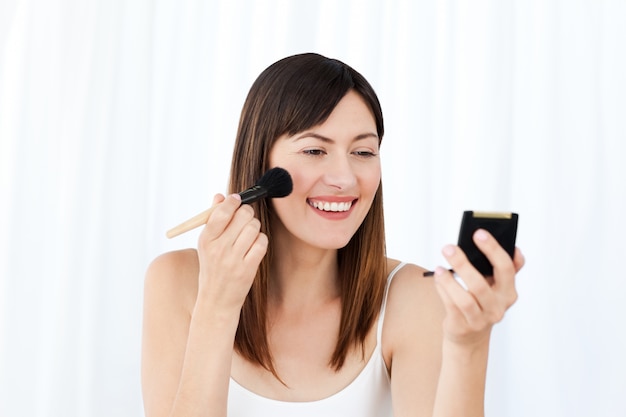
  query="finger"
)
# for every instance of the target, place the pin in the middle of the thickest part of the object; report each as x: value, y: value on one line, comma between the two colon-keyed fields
x: 248, y: 232
x: 461, y: 302
x: 220, y: 217
x: 452, y: 311
x: 518, y: 259
x: 257, y: 250
x: 242, y: 218
x: 492, y: 300
x: 218, y: 198
x: 475, y: 282
x: 503, y: 268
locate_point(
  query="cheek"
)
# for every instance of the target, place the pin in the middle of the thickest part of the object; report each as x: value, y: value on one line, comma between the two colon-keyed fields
x: 301, y: 187
x: 370, y: 180
x: 303, y: 178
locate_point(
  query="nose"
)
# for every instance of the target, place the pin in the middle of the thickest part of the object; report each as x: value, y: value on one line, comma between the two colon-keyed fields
x: 340, y: 173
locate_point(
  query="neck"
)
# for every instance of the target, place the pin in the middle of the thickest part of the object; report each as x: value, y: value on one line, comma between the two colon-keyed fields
x: 303, y: 276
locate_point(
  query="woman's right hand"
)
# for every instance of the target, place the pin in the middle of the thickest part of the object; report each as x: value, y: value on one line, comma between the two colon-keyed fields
x: 230, y: 249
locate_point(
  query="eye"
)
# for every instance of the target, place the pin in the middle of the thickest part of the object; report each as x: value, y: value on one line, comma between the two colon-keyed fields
x: 365, y: 154
x: 313, y: 152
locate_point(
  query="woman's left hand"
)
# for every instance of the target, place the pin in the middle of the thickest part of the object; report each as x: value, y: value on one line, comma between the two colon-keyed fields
x: 471, y: 312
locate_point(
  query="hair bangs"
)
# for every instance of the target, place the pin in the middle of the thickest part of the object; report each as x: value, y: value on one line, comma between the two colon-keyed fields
x: 307, y: 102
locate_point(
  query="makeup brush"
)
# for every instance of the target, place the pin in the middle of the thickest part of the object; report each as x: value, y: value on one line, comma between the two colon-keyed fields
x: 275, y: 183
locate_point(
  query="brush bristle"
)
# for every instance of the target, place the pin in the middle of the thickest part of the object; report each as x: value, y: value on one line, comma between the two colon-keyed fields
x: 277, y: 181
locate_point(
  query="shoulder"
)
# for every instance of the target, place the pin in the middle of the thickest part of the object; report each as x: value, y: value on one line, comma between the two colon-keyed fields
x: 410, y: 285
x: 175, y: 261
x: 173, y: 278
x: 414, y: 312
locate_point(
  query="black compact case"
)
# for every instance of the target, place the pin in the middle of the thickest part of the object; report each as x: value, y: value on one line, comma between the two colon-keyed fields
x: 502, y: 225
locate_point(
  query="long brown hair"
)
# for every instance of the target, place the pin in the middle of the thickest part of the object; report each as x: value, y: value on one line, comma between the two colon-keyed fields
x: 292, y: 95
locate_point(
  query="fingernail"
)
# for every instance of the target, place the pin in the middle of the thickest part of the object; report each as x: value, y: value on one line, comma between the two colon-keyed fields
x: 481, y: 235
x: 448, y: 250
x: 439, y: 271
x: 236, y: 196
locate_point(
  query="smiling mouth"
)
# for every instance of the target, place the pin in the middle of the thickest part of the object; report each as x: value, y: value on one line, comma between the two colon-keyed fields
x: 331, y: 206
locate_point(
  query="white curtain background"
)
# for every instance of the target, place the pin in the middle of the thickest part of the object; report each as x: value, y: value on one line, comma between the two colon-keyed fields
x: 117, y: 121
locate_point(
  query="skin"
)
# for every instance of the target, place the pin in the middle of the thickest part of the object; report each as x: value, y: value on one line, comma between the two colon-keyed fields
x: 436, y: 334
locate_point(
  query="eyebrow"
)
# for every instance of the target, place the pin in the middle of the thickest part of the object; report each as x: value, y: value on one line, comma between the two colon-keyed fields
x: 329, y: 140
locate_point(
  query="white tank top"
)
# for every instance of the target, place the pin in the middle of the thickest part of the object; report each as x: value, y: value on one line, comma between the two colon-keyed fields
x: 369, y: 394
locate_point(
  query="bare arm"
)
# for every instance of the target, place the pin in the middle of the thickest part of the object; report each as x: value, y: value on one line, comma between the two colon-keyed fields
x: 439, y: 359
x: 186, y: 354
x: 191, y: 311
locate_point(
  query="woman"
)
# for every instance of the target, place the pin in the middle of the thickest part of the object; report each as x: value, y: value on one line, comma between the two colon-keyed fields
x: 290, y: 306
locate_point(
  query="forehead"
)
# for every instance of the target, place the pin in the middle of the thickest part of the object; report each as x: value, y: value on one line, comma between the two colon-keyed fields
x: 351, y: 118
x: 352, y: 109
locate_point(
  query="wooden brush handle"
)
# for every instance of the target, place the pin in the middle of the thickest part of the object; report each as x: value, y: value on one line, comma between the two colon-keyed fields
x: 192, y: 223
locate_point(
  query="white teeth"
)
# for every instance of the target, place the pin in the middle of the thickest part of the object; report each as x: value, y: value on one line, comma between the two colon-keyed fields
x: 334, y: 206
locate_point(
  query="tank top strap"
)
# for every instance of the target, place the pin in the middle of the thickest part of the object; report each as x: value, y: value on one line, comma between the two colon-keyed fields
x: 381, y: 316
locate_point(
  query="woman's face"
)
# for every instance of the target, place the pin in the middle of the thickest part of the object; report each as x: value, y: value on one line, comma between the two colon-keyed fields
x: 335, y: 168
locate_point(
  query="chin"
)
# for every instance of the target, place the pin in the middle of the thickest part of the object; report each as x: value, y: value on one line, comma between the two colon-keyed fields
x: 335, y: 243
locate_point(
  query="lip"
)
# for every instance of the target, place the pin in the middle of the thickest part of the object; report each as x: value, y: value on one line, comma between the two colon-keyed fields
x: 333, y: 215
x: 334, y: 198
